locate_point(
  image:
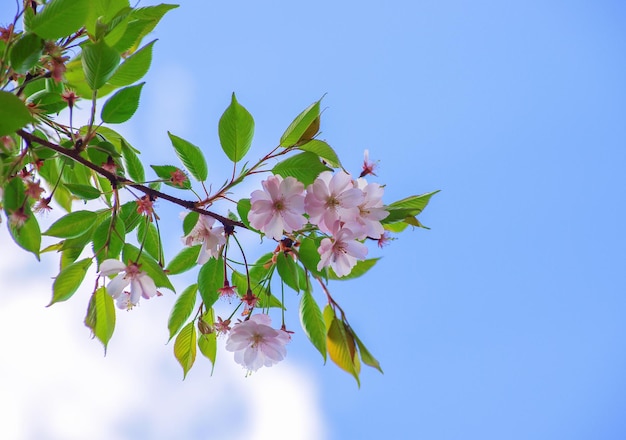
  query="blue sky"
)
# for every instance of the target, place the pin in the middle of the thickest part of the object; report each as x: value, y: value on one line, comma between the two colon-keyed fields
x: 505, y: 320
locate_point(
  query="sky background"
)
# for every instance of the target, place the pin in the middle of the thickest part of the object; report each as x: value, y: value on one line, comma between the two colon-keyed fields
x: 504, y: 321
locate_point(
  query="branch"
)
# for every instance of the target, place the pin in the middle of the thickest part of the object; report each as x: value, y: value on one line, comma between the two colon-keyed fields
x: 119, y: 181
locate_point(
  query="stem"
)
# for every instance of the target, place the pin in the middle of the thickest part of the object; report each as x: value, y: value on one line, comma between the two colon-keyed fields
x: 118, y: 181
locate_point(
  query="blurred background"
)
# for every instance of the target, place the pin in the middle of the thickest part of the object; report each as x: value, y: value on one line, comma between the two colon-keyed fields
x: 503, y: 321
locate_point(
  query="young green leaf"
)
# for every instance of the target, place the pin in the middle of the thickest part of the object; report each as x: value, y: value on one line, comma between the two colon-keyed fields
x: 134, y: 167
x: 312, y: 322
x: 60, y: 18
x: 26, y: 52
x: 305, y: 167
x: 130, y: 216
x: 191, y: 156
x: 148, y: 265
x: 207, y: 343
x: 72, y: 225
x: 287, y: 270
x: 99, y: 63
x: 134, y: 68
x: 210, y: 279
x: 359, y: 269
x: 185, y: 347
x: 184, y: 260
x: 28, y: 236
x: 148, y: 235
x: 122, y: 106
x: 341, y: 346
x: 108, y: 239
x: 83, y: 192
x: 13, y: 113
x: 407, y: 207
x: 236, y: 129
x: 308, y: 254
x: 104, y: 317
x: 189, y: 222
x: 182, y: 309
x: 243, y: 208
x: 323, y: 150
x: 68, y: 281
x: 366, y: 356
x: 300, y: 125
x: 168, y: 174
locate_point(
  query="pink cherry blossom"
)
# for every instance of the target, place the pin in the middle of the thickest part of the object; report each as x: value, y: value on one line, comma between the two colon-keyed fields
x: 341, y: 251
x: 141, y: 285
x: 332, y: 198
x: 256, y: 343
x: 211, y: 237
x: 371, y: 211
x: 279, y: 208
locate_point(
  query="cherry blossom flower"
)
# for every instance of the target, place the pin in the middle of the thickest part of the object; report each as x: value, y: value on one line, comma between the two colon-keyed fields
x: 227, y: 291
x: 341, y: 251
x: 211, y: 237
x: 256, y: 344
x: 279, y: 207
x: 178, y: 178
x: 332, y: 198
x: 141, y: 285
x: 371, y: 211
x: 368, y: 167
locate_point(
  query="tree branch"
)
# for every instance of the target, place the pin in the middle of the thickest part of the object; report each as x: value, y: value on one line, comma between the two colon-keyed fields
x: 119, y: 181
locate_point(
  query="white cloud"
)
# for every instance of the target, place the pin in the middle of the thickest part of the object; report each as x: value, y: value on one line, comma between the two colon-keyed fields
x: 56, y: 384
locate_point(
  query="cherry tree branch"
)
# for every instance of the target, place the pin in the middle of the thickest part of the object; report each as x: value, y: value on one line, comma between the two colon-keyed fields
x: 120, y: 181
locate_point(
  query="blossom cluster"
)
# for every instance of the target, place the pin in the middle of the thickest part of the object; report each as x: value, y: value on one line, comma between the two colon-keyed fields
x: 347, y: 210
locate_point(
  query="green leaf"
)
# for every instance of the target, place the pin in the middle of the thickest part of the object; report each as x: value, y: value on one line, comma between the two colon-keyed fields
x: 361, y: 268
x: 208, y: 346
x: 191, y: 156
x: 105, y: 317
x: 130, y: 216
x: 308, y: 254
x: 266, y: 299
x: 165, y: 172
x: 134, y: 68
x: 69, y: 280
x: 182, y: 309
x: 184, y: 260
x: 13, y: 113
x: 207, y: 343
x: 323, y: 150
x: 243, y: 208
x: 312, y: 322
x: 84, y: 192
x: 28, y: 237
x: 60, y: 18
x: 26, y: 52
x: 297, y: 129
x: 108, y: 239
x: 407, y: 207
x: 141, y: 22
x: 189, y: 222
x: 72, y: 225
x: 148, y: 265
x: 305, y: 167
x: 341, y: 346
x: 122, y: 106
x: 99, y: 63
x: 287, y: 270
x: 236, y: 129
x: 148, y: 235
x: 104, y: 9
x: 366, y: 356
x: 210, y: 279
x: 134, y: 167
x: 185, y: 347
